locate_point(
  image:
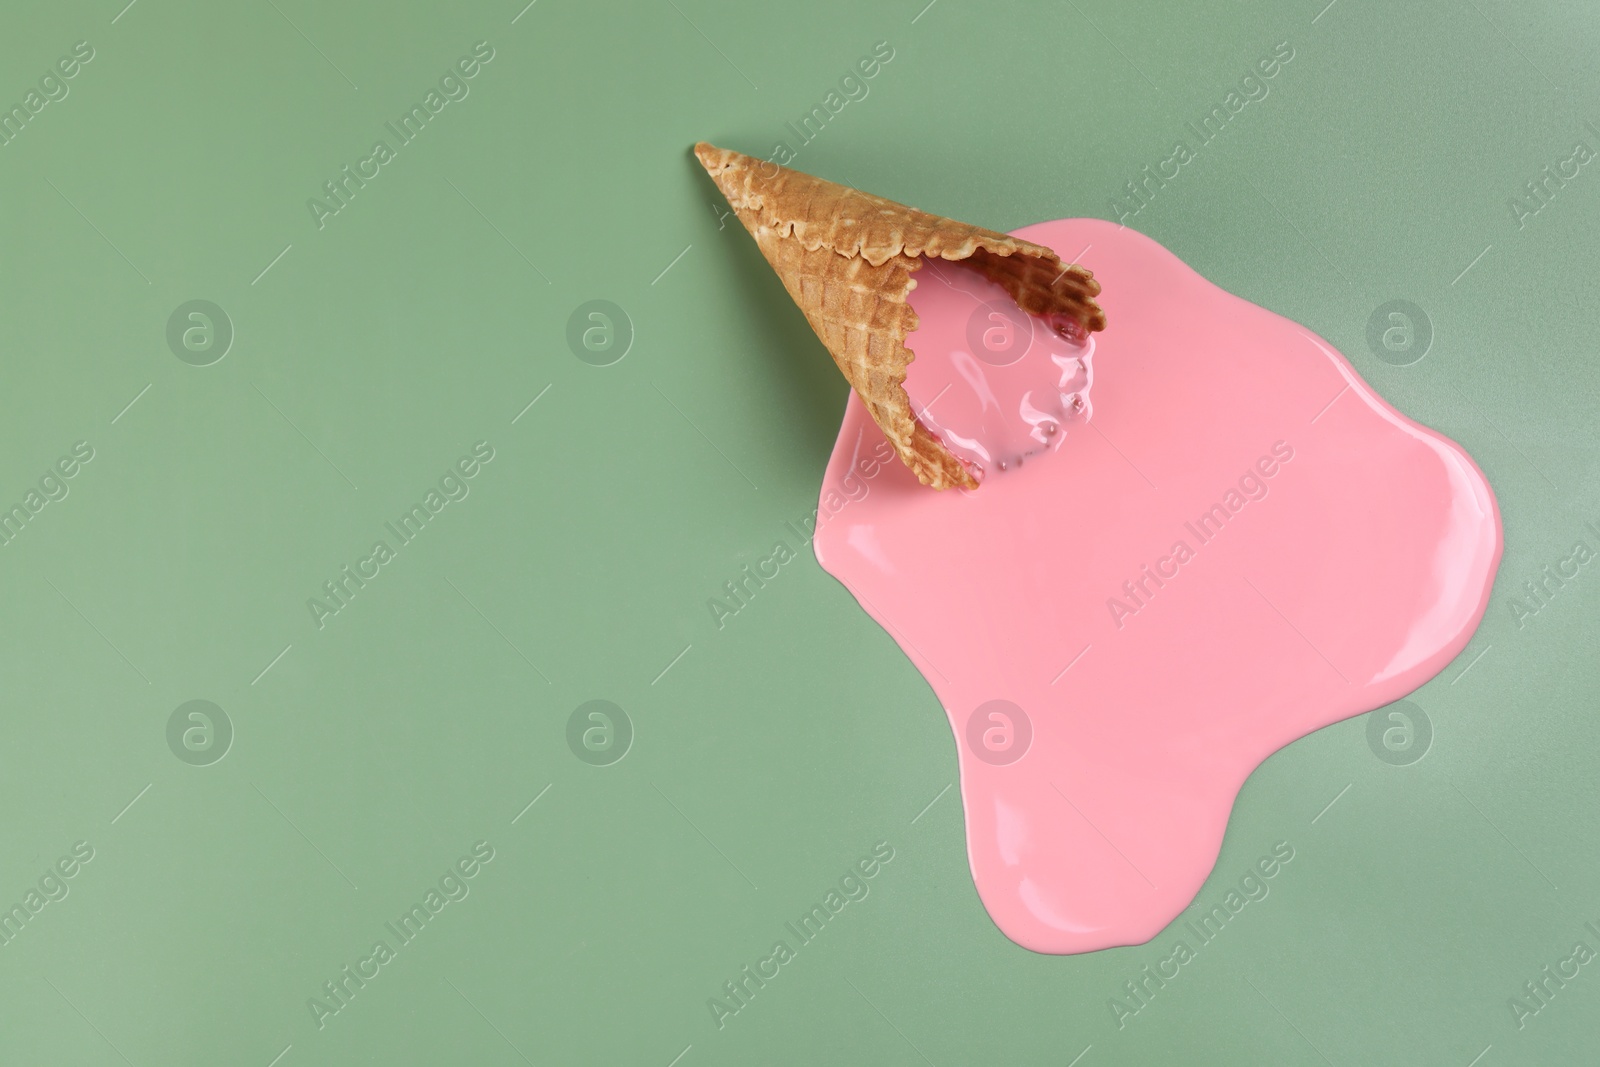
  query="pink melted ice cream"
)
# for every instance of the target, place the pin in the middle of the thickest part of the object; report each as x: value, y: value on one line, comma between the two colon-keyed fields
x: 1238, y: 544
x: 1015, y: 383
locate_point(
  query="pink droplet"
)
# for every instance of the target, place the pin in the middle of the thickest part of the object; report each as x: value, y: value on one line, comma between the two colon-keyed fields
x: 1069, y: 327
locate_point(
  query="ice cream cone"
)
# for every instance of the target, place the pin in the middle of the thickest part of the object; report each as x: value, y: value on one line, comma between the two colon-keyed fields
x: 847, y: 259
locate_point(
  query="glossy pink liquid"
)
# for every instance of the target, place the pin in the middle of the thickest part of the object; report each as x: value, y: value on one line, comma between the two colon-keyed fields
x: 999, y: 387
x: 1244, y: 543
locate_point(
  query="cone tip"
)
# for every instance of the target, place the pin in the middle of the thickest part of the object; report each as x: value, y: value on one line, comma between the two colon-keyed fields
x: 706, y: 153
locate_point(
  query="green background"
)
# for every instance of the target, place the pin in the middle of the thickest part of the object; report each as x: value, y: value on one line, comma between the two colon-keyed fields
x: 370, y: 754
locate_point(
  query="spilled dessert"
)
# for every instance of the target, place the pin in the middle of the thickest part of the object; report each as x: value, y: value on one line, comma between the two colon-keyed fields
x: 848, y: 260
x: 1185, y: 533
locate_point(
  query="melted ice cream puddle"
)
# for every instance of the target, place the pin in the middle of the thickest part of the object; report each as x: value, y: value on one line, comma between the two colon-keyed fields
x: 1245, y: 544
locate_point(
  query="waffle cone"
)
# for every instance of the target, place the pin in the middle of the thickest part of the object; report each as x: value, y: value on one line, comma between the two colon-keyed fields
x: 848, y: 258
